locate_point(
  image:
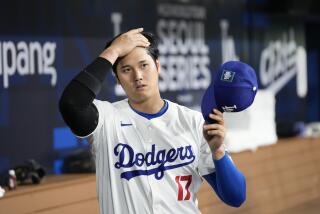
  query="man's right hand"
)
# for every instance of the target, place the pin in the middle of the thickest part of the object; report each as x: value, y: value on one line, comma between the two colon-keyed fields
x: 124, y: 44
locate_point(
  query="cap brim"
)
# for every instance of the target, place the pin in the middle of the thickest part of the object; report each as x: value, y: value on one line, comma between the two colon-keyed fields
x: 208, y: 103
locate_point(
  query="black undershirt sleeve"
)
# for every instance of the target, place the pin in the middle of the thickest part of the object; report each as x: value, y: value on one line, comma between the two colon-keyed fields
x: 76, y: 103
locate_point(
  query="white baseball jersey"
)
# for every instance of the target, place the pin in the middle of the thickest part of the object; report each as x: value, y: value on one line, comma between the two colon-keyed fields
x: 149, y: 165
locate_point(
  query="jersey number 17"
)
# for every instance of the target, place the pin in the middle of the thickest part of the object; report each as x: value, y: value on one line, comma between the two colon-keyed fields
x: 183, y: 183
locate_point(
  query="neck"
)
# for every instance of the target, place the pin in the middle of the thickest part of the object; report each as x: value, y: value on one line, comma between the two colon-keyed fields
x: 150, y: 106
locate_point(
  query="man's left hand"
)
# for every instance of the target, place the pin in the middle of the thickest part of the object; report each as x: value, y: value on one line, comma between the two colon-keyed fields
x: 215, y: 134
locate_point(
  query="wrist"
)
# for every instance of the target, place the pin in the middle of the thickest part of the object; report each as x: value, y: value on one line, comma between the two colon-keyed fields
x: 219, y: 152
x: 110, y: 54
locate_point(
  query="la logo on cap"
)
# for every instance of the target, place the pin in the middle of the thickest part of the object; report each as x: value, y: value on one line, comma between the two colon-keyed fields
x: 227, y: 75
x: 229, y: 108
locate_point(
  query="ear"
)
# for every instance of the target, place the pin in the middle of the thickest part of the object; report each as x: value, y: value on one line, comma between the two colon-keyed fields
x: 158, y: 66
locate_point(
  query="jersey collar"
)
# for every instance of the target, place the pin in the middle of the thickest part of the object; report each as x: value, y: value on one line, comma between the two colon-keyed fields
x: 151, y: 116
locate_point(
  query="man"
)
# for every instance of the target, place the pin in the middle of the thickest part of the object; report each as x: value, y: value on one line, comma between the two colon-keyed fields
x: 151, y: 154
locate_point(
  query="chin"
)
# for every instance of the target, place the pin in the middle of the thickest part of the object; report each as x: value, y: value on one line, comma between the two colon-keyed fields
x: 140, y: 98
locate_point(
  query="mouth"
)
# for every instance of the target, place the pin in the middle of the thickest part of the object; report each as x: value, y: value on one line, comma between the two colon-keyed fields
x: 140, y: 87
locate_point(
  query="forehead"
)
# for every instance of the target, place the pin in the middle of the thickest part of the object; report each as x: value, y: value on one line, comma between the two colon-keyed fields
x: 135, y: 56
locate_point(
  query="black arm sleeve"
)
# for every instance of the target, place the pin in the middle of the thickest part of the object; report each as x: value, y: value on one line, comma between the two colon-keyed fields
x: 76, y: 103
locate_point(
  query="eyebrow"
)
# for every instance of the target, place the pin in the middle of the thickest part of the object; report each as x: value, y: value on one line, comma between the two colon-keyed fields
x: 126, y: 66
x: 142, y: 61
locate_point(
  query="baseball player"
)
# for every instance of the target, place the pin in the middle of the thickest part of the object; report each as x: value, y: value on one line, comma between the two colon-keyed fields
x: 151, y: 154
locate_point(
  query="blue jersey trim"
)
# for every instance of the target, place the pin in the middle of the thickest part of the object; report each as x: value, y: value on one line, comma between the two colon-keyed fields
x: 151, y: 116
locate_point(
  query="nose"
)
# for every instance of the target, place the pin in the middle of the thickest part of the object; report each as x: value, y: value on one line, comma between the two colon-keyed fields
x: 138, y: 75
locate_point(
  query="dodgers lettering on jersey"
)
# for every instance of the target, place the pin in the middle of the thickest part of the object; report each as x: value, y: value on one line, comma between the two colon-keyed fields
x: 160, y: 160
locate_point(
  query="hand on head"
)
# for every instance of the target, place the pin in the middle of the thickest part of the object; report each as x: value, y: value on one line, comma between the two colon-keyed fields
x: 124, y: 44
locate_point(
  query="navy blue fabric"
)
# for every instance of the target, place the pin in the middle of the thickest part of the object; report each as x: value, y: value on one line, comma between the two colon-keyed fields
x: 228, y: 182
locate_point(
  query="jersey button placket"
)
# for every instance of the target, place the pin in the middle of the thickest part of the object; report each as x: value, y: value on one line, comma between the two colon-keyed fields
x: 152, y: 180
x: 148, y: 146
x: 149, y: 139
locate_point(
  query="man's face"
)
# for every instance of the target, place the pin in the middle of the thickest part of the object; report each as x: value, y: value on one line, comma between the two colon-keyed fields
x: 138, y: 75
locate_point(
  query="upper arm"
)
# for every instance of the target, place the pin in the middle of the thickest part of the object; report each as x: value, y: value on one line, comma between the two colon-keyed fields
x: 77, y: 109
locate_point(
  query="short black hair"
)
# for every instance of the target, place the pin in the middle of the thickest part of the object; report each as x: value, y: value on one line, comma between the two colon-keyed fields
x: 152, y: 50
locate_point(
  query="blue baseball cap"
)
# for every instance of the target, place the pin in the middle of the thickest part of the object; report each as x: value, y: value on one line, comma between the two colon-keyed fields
x: 233, y: 89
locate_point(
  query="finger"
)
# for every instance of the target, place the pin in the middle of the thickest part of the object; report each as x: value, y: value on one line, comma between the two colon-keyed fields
x: 139, y: 37
x: 220, y: 129
x: 218, y: 133
x: 136, y: 30
x: 213, y: 126
x: 217, y: 118
x: 216, y: 111
x: 142, y: 43
x: 143, y: 38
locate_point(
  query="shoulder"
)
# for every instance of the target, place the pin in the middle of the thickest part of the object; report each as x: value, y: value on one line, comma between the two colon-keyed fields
x: 186, y: 112
x: 121, y: 104
x: 117, y: 104
x: 104, y: 106
x: 185, y: 109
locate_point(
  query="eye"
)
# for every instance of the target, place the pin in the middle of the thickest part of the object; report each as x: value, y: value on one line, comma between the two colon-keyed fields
x: 144, y: 65
x: 126, y: 70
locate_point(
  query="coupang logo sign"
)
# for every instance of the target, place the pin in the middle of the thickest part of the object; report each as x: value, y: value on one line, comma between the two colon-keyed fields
x: 156, y: 161
x: 26, y: 59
